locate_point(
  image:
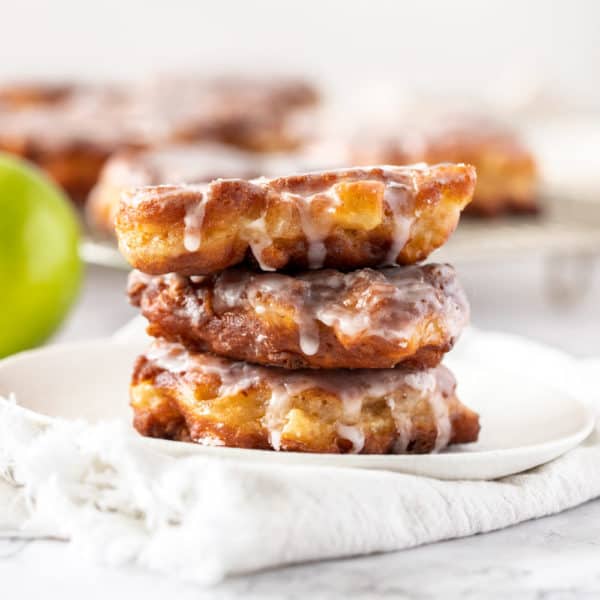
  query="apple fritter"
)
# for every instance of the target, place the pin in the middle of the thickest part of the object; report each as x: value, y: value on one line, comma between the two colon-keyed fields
x: 506, y: 170
x: 73, y: 136
x: 320, y: 319
x: 71, y: 141
x: 343, y: 219
x: 178, y: 163
x: 180, y: 395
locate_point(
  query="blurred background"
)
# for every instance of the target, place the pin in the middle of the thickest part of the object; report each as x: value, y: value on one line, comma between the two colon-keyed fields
x: 504, y: 50
x: 512, y: 84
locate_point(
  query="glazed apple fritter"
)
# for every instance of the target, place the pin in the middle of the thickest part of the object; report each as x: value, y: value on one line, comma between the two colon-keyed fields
x: 506, y: 169
x: 320, y: 319
x: 344, y: 219
x: 260, y: 115
x: 71, y: 142
x: 73, y: 136
x: 201, y: 398
x: 181, y: 163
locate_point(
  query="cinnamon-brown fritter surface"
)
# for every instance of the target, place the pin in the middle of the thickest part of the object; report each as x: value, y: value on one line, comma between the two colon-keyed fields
x: 344, y: 219
x: 70, y: 141
x: 506, y: 170
x: 26, y: 94
x: 75, y: 170
x: 198, y: 397
x: 320, y: 319
x: 260, y: 115
x: 73, y: 135
x: 178, y: 163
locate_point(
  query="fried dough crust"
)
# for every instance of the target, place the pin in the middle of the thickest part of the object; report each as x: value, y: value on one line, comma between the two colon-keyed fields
x: 507, y: 175
x: 178, y: 163
x: 320, y: 319
x: 197, y: 397
x: 70, y: 133
x: 343, y: 219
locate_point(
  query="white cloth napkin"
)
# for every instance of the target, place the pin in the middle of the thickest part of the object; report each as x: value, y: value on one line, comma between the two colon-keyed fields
x: 203, y: 519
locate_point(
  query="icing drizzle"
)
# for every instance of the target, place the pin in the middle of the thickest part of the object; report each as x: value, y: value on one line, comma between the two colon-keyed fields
x: 316, y: 211
x: 398, y: 387
x: 389, y: 303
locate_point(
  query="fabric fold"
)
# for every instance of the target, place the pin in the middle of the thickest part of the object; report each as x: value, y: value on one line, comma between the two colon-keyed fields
x: 203, y: 519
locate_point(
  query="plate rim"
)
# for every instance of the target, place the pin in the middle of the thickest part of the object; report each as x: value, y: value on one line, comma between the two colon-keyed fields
x: 565, y: 443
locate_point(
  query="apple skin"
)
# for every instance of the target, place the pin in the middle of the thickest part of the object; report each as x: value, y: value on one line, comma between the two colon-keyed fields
x: 40, y: 268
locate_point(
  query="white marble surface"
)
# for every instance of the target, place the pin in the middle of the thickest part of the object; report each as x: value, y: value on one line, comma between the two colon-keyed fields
x: 552, y: 558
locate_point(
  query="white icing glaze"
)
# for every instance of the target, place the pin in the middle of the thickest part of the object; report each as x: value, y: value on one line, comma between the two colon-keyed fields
x: 209, y: 440
x: 404, y: 428
x: 352, y: 388
x: 191, y: 306
x: 421, y: 380
x: 230, y: 290
x: 277, y: 409
x: 309, y: 340
x: 275, y: 439
x: 396, y: 195
x: 439, y: 408
x: 272, y: 286
x: 316, y: 225
x: 171, y: 357
x: 406, y: 295
x: 352, y: 403
x: 354, y: 434
x: 309, y: 334
x: 194, y: 217
x: 259, y: 239
x: 389, y: 304
x: 315, y: 231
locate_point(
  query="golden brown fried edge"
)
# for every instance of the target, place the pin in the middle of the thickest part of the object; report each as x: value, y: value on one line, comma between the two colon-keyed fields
x: 322, y: 319
x: 344, y: 219
x: 191, y: 406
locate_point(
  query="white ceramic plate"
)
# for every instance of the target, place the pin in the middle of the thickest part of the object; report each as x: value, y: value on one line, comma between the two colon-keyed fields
x: 523, y: 424
x: 102, y: 252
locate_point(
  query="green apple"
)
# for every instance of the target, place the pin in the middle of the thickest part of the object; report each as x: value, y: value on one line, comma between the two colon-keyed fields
x: 40, y: 269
